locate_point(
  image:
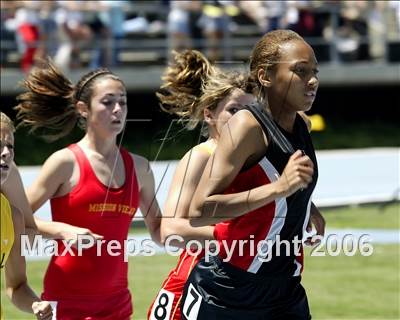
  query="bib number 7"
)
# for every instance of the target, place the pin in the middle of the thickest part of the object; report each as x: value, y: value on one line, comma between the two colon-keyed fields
x: 192, y: 303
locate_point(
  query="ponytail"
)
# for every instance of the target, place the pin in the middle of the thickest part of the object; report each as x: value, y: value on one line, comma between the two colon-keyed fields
x: 183, y: 83
x: 49, y: 101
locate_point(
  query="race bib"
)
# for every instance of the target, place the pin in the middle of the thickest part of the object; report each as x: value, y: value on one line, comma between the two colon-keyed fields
x: 162, y: 306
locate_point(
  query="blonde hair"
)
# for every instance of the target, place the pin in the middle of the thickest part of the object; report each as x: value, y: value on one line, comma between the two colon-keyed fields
x: 7, y: 122
x: 220, y: 86
x: 191, y: 85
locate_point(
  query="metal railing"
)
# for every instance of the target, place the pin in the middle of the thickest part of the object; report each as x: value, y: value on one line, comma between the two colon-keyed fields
x: 237, y: 45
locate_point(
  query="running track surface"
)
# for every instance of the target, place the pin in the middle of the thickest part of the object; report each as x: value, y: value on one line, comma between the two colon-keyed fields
x: 346, y: 177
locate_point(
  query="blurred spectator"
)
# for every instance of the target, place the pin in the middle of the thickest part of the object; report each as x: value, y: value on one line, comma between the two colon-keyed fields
x: 257, y: 12
x: 393, y: 20
x: 76, y: 32
x: 72, y: 32
x: 353, y: 31
x: 27, y: 32
x: 189, y: 22
x: 102, y: 39
x: 301, y: 18
x: 392, y: 24
x: 275, y: 13
x: 292, y: 19
x: 49, y: 40
x: 214, y: 23
x: 182, y: 18
x: 7, y: 32
x: 113, y: 18
x: 377, y: 29
x: 347, y: 41
x: 136, y: 25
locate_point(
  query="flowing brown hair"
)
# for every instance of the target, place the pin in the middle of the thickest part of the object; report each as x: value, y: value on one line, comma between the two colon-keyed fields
x: 49, y: 100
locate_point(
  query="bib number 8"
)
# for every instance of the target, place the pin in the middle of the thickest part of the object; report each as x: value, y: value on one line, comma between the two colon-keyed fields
x: 162, y: 306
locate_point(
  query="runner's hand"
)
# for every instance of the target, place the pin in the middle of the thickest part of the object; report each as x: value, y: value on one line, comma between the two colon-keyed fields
x: 42, y: 310
x: 71, y: 233
x: 318, y: 221
x: 296, y: 175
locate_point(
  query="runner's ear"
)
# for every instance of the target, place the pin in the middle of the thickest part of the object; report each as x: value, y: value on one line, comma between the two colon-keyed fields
x: 82, y: 109
x: 208, y: 116
x: 264, y: 77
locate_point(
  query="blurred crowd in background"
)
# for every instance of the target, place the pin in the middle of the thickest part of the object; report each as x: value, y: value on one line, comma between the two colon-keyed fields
x: 102, y: 33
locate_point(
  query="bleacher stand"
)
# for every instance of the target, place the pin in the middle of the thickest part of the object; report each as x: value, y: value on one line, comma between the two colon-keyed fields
x: 110, y: 33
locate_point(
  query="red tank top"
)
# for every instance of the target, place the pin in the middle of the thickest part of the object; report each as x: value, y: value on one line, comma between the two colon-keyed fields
x: 105, y: 211
x: 251, y: 226
x: 242, y: 235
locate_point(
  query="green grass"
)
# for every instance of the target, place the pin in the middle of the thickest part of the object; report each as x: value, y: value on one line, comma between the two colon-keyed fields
x: 364, y: 217
x: 375, y: 216
x: 145, y: 277
x: 338, y: 287
x: 371, y: 216
x: 343, y: 135
x: 354, y: 287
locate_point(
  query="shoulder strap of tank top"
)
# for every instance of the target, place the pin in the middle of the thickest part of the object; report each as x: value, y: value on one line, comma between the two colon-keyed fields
x: 132, y: 183
x: 270, y: 128
x: 128, y: 163
x: 82, y: 160
x: 86, y: 171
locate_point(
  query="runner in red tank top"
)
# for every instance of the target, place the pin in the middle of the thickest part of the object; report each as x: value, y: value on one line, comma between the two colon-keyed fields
x: 220, y: 97
x: 95, y: 189
x: 91, y: 204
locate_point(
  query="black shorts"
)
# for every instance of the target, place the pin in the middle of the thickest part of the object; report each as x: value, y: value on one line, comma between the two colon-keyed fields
x: 218, y: 290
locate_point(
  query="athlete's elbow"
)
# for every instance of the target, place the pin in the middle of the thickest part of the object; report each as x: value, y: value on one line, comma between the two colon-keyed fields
x: 155, y: 232
x: 14, y: 284
x: 167, y: 230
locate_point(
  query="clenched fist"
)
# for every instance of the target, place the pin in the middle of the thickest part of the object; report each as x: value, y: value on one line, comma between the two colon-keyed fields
x: 296, y: 175
x: 42, y: 310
